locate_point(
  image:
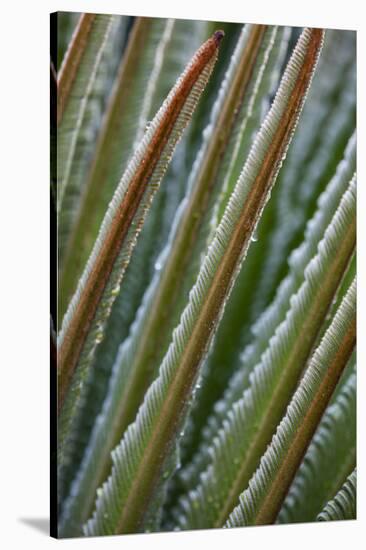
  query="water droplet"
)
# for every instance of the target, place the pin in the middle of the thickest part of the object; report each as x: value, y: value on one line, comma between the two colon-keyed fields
x: 115, y: 290
x: 254, y: 237
x: 158, y: 265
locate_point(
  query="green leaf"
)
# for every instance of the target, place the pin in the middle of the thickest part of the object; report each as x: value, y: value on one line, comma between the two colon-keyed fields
x: 83, y: 324
x: 264, y: 76
x: 325, y: 126
x: 140, y: 356
x: 136, y: 97
x: 330, y: 458
x: 77, y: 86
x: 251, y: 421
x: 138, y: 465
x: 204, y: 110
x: 186, y: 38
x: 328, y: 122
x: 265, y: 328
x: 260, y: 502
x: 66, y: 23
x: 343, y: 505
x: 347, y: 279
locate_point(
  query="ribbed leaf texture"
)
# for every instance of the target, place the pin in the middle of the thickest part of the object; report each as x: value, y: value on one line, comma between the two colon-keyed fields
x: 343, y: 505
x: 266, y: 326
x: 325, y: 126
x: 148, y: 69
x: 138, y: 466
x: 206, y: 359
x: 140, y: 355
x: 251, y: 421
x: 84, y: 322
x: 260, y: 502
x: 330, y: 458
x: 152, y: 51
x: 77, y: 98
x: 327, y: 123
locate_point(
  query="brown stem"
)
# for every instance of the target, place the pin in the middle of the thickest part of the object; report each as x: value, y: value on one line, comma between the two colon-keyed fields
x: 85, y: 310
x: 173, y: 407
x: 271, y: 505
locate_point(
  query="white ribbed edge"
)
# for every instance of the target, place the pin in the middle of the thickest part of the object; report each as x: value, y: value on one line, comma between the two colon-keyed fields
x: 217, y: 107
x: 128, y: 454
x: 270, y: 58
x: 270, y: 37
x: 234, y: 436
x: 154, y: 78
x: 134, y: 163
x: 127, y: 349
x: 250, y: 499
x: 343, y: 505
x: 337, y: 425
x: 95, y: 334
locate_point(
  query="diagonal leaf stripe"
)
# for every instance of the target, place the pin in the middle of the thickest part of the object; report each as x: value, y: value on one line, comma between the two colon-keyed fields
x: 123, y: 501
x: 83, y: 324
x: 260, y: 502
x: 327, y: 123
x: 89, y: 61
x: 74, y: 88
x: 331, y: 456
x: 343, y: 505
x: 135, y: 366
x: 71, y: 61
x: 325, y: 126
x: 121, y: 127
x: 251, y: 421
x: 268, y: 322
x: 174, y: 41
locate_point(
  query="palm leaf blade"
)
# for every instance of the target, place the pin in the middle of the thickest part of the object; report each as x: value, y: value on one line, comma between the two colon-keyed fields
x: 85, y: 320
x: 251, y: 421
x: 343, y: 505
x: 168, y: 44
x: 157, y: 423
x: 330, y: 457
x: 260, y: 502
x: 77, y: 83
x: 265, y: 328
x: 325, y: 126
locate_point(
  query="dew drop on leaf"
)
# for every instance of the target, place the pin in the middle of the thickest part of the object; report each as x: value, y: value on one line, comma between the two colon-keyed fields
x: 98, y: 337
x: 254, y: 237
x: 115, y: 290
